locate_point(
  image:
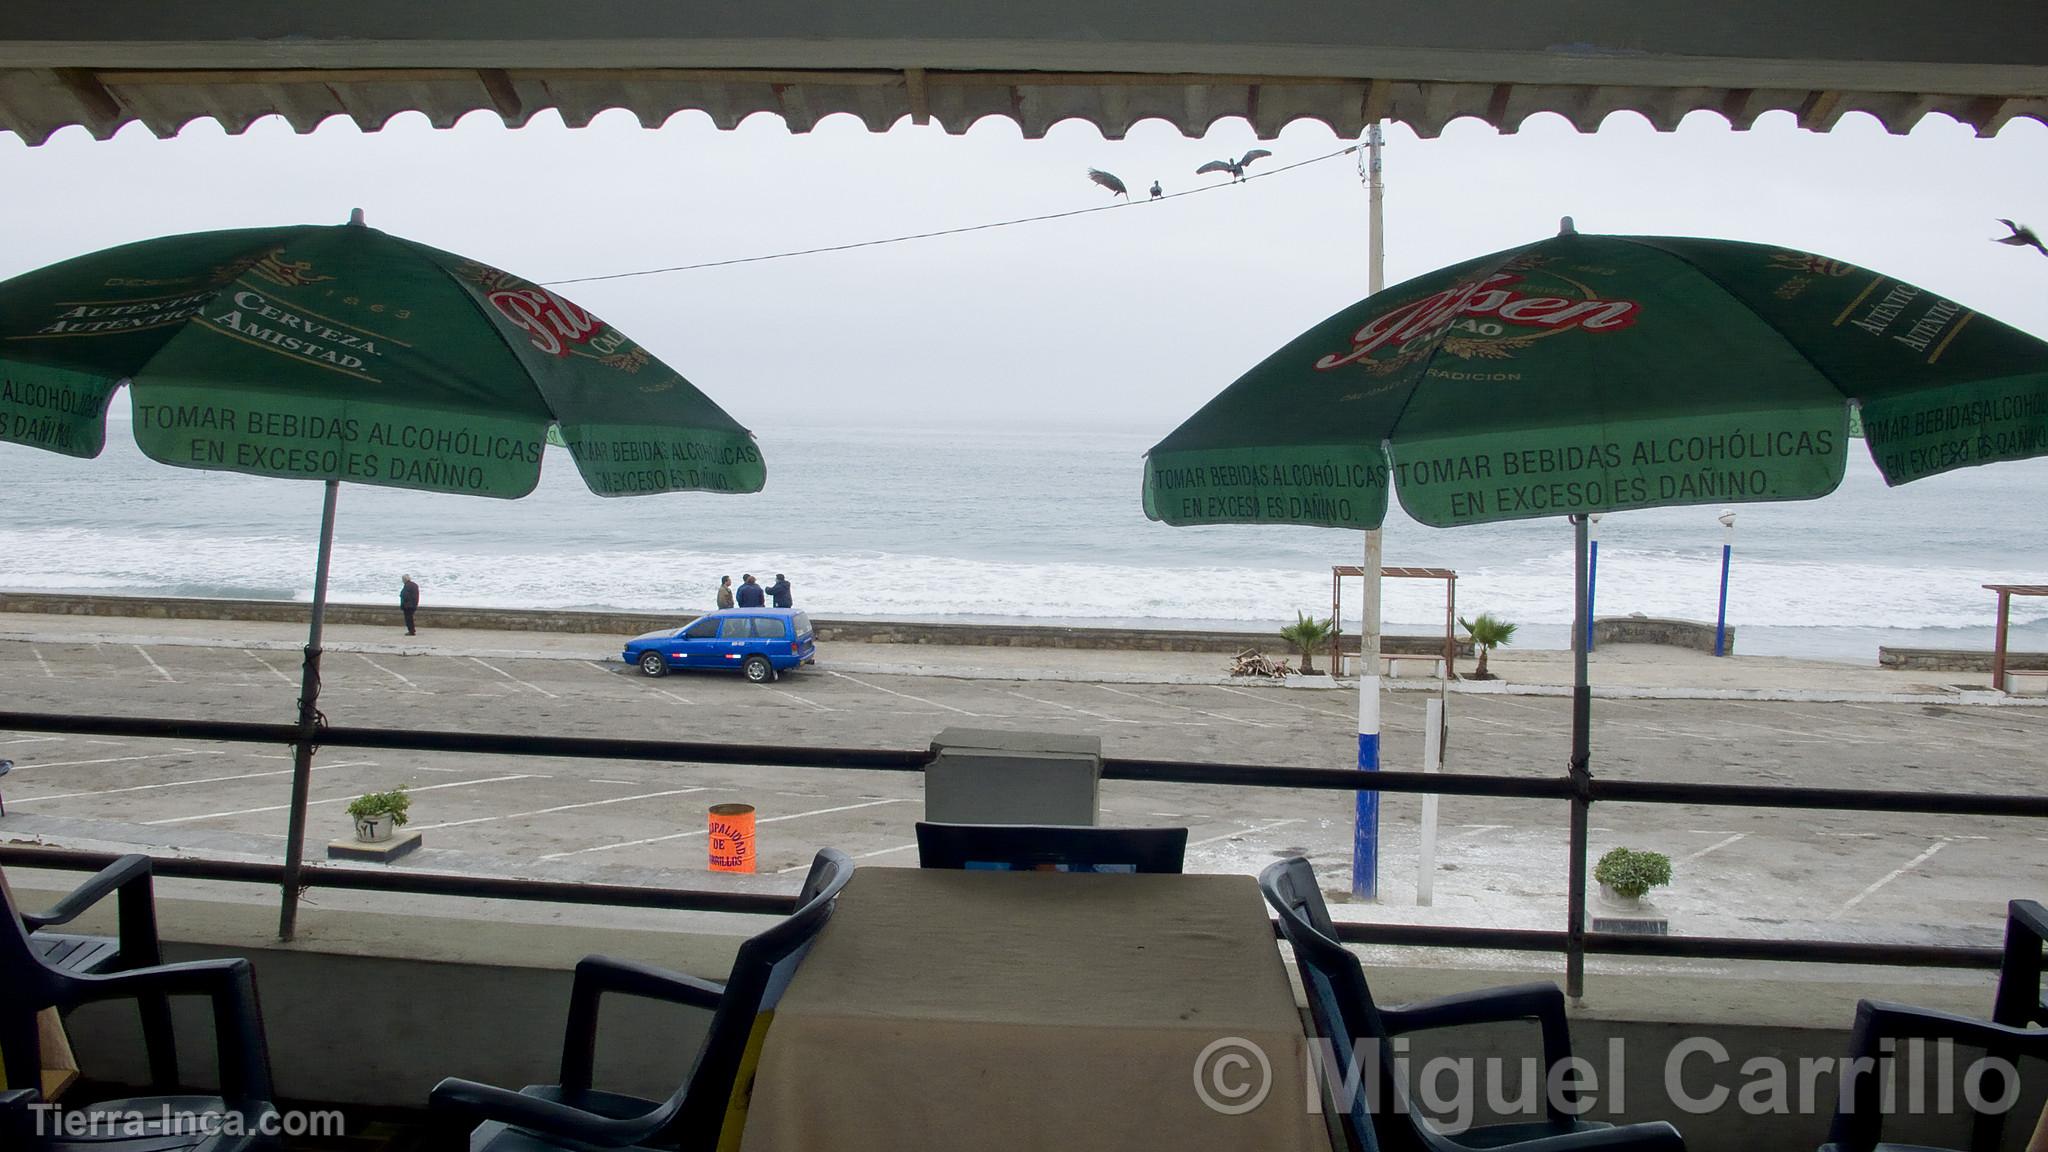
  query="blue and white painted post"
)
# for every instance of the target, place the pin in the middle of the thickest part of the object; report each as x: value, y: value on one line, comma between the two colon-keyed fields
x: 1592, y: 570
x: 1727, y: 550
x: 1365, y: 834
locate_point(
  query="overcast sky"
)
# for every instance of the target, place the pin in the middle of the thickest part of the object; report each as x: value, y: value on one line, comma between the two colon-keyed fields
x: 1131, y: 318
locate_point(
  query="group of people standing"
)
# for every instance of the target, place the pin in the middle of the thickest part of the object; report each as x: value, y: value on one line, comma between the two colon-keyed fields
x: 750, y: 594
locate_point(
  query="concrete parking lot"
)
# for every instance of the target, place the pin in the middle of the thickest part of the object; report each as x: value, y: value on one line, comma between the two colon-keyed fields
x: 1739, y: 871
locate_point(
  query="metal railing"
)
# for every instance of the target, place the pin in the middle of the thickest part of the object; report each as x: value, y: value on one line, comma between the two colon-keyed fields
x: 1581, y: 790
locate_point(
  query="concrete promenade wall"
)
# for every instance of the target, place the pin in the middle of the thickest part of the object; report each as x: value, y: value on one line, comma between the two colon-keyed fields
x: 1957, y: 660
x: 634, y: 623
x: 1693, y: 634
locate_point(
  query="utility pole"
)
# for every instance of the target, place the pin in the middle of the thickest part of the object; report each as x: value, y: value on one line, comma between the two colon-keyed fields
x: 1365, y: 834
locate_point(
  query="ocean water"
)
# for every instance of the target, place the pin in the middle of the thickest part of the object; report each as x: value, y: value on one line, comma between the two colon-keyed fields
x: 1038, y: 524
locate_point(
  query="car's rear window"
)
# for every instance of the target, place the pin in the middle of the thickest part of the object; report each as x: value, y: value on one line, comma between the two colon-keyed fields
x: 803, y: 624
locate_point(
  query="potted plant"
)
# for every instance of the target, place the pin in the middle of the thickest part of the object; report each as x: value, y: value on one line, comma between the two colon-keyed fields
x: 1308, y: 634
x: 1626, y: 874
x: 1488, y: 632
x: 378, y: 814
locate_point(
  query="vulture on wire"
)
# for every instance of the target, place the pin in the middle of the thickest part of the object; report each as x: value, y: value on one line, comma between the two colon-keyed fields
x: 1156, y: 193
x: 1110, y: 182
x: 1234, y: 167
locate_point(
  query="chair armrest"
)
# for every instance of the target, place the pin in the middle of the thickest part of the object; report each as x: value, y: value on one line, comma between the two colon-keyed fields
x: 2019, y: 972
x: 1541, y: 1002
x: 117, y: 875
x: 469, y: 1102
x: 597, y: 975
x: 1652, y: 1137
x: 243, y: 1054
x: 2030, y: 915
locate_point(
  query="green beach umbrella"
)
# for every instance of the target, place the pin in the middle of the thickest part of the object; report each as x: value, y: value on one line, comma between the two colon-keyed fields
x: 339, y: 353
x: 1602, y: 373
x: 1585, y: 374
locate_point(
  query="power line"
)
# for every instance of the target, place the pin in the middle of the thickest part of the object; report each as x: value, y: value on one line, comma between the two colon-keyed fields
x: 1128, y: 203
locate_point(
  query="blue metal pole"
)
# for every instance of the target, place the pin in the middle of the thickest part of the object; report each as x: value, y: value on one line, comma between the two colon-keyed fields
x: 1592, y: 571
x: 1365, y: 829
x: 1721, y: 616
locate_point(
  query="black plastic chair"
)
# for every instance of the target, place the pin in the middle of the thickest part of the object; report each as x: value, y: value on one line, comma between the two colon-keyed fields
x: 574, y: 1115
x: 1050, y: 848
x: 1377, y: 1118
x: 2018, y: 1027
x: 136, y: 946
x: 236, y: 1118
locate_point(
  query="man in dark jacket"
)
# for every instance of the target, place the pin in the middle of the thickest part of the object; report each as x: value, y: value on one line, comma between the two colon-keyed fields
x: 408, y: 602
x: 779, y: 592
x: 750, y: 595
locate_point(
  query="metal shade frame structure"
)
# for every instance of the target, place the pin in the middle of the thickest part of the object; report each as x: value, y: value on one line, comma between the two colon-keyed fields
x: 1450, y: 578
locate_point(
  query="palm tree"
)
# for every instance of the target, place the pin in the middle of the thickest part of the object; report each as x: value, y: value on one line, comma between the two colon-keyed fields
x: 1308, y: 634
x: 1488, y: 632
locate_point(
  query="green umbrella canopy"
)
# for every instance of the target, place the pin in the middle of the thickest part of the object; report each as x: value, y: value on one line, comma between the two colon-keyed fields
x: 345, y: 353
x: 1600, y: 373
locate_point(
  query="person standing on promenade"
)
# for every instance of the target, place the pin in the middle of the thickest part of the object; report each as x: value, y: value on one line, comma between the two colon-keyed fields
x: 779, y: 592
x: 408, y: 601
x: 751, y: 595
x: 725, y: 591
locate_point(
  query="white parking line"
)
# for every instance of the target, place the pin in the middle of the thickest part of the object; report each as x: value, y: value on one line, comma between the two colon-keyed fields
x: 44, y: 663
x: 651, y: 688
x: 1471, y: 830
x: 515, y: 679
x: 189, y: 783
x: 701, y: 831
x: 615, y: 781
x: 1104, y: 717
x: 805, y: 866
x: 1240, y: 832
x: 330, y: 800
x: 800, y: 700
x: 1289, y: 703
x: 267, y: 664
x: 560, y: 808
x: 1715, y: 846
x: 31, y: 740
x: 117, y: 759
x: 1187, y: 708
x: 390, y: 673
x: 905, y: 695
x: 153, y: 664
x: 1890, y: 876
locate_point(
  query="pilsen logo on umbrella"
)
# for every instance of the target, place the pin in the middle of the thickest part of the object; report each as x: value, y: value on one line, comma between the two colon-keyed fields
x: 554, y: 325
x: 1472, y: 318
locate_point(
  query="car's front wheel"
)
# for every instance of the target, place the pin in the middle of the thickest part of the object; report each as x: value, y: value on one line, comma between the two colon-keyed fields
x: 758, y: 669
x: 652, y: 664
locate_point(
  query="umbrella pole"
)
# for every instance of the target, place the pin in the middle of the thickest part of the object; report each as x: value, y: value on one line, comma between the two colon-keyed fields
x: 309, y: 725
x: 1581, y: 772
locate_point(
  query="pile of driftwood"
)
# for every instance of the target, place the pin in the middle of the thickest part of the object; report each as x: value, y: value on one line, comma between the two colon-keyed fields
x: 1252, y: 662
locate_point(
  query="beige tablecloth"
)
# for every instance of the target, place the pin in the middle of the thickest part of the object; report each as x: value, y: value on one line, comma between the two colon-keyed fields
x: 953, y: 1010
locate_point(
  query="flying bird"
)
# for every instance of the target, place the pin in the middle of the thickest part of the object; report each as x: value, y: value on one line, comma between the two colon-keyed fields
x: 2022, y: 236
x: 1234, y: 167
x: 1156, y: 193
x: 1110, y: 182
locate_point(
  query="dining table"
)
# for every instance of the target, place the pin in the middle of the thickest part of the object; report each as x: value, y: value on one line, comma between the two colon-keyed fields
x: 944, y: 1009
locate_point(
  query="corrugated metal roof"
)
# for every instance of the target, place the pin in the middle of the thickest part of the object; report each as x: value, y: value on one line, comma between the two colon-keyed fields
x: 36, y: 102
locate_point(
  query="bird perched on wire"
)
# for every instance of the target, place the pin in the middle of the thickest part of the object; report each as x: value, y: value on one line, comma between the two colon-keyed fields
x: 1234, y: 167
x: 2022, y: 236
x: 1110, y: 182
x: 1156, y: 193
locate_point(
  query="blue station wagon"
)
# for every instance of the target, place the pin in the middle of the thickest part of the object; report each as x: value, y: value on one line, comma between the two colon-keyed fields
x: 759, y: 642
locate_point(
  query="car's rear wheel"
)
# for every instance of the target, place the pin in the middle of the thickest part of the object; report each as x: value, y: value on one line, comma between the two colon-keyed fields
x: 652, y: 664
x: 758, y: 669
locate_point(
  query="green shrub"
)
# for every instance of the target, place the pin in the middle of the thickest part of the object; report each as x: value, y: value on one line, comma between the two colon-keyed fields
x: 1631, y: 873
x: 1308, y: 634
x: 394, y: 803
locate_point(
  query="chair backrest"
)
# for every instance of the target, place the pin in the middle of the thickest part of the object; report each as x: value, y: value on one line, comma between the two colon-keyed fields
x: 2020, y: 1003
x: 1339, y: 1001
x: 760, y: 971
x: 1050, y: 848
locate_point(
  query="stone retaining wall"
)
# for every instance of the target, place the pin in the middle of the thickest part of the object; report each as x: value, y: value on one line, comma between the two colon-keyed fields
x: 1957, y: 660
x: 634, y: 623
x: 1695, y: 634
